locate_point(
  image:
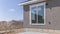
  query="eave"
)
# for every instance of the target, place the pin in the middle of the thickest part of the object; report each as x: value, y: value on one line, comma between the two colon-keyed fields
x: 30, y: 2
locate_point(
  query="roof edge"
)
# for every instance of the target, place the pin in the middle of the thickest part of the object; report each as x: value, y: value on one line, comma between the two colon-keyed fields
x: 30, y: 2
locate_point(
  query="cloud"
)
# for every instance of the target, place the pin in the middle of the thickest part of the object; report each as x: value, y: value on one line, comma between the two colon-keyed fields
x: 11, y: 9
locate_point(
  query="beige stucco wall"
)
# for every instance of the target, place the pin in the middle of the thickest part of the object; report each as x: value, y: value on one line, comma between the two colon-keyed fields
x: 52, y: 16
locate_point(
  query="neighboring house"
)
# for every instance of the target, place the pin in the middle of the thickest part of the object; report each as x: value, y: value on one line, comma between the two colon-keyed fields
x: 43, y: 14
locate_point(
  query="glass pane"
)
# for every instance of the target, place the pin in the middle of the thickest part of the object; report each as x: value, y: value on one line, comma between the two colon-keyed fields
x: 41, y: 14
x: 33, y: 15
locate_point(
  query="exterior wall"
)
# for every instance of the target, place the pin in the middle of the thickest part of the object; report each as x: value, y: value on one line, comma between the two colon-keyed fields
x: 52, y: 16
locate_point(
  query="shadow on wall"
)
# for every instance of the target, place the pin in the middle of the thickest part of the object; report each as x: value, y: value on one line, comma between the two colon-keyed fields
x: 53, y: 3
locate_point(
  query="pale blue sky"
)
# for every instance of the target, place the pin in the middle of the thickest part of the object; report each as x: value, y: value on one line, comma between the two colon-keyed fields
x: 10, y: 10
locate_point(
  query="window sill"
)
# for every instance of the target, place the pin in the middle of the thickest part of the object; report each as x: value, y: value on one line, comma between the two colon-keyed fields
x: 37, y: 24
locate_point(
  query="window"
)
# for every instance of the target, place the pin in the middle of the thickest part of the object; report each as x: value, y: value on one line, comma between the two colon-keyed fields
x: 37, y: 14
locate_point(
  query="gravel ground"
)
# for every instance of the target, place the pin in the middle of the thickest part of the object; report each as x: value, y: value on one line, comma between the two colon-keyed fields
x: 31, y: 33
x: 21, y: 31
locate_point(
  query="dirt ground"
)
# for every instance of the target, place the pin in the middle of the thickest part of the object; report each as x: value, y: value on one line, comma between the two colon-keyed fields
x: 13, y: 31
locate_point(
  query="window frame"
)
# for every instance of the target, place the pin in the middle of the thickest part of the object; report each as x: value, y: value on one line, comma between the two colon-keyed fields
x: 44, y: 3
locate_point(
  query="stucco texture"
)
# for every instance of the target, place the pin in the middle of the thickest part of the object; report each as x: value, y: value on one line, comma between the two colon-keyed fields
x: 52, y: 16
